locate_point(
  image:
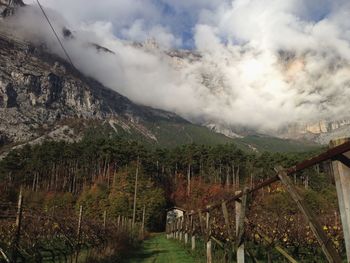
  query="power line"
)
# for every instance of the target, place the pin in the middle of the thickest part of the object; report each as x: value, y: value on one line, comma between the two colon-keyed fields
x: 54, y: 31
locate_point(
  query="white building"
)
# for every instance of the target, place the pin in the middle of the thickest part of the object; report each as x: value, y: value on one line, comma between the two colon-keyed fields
x: 173, y: 213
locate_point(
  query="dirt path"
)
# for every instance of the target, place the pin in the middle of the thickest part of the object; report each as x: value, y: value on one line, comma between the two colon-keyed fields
x: 158, y: 249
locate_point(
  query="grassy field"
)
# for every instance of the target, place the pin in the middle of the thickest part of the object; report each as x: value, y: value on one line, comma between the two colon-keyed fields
x: 271, y: 144
x: 158, y: 249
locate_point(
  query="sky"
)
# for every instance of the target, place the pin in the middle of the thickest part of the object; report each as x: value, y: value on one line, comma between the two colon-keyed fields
x: 263, y: 63
x: 170, y: 22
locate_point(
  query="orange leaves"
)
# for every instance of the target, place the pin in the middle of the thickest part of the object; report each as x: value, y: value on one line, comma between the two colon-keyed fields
x: 202, y: 193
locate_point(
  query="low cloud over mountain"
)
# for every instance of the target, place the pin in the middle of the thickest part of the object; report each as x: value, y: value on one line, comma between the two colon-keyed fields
x: 247, y: 65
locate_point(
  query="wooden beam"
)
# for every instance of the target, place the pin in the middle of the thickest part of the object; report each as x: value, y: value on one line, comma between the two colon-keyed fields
x: 240, y: 208
x: 227, y: 221
x: 325, y: 242
x: 229, y: 230
x: 241, y: 217
x: 278, y: 248
x: 341, y: 172
x: 343, y: 159
x: 208, y: 239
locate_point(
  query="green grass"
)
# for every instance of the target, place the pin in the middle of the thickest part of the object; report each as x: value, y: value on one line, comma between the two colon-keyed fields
x: 172, y: 134
x: 175, y: 134
x: 158, y: 249
x: 271, y: 144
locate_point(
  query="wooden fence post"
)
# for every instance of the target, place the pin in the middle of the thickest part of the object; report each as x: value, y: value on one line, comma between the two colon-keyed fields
x: 201, y: 223
x: 228, y: 229
x: 208, y: 237
x: 168, y: 230
x: 177, y: 228
x: 186, y: 228
x: 181, y: 228
x: 325, y: 242
x: 17, y: 236
x: 174, y: 228
x: 341, y: 173
x: 240, y: 216
x: 193, y: 233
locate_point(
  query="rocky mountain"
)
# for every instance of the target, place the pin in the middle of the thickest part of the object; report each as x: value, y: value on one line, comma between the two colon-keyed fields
x: 44, y: 97
x: 321, y: 132
x: 7, y: 7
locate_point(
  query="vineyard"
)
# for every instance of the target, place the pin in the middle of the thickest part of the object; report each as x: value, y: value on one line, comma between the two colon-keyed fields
x: 236, y: 226
x: 94, y: 201
x: 29, y: 234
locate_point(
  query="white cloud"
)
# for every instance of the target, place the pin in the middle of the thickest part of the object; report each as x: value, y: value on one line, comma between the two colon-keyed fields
x: 137, y: 32
x: 264, y: 63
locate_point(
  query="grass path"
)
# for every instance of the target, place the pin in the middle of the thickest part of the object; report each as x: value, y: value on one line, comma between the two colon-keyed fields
x: 158, y: 249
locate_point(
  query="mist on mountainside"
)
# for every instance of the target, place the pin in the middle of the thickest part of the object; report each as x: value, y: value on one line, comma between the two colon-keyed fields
x: 248, y: 66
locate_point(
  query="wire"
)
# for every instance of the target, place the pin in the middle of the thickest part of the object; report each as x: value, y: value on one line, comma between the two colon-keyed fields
x: 54, y: 31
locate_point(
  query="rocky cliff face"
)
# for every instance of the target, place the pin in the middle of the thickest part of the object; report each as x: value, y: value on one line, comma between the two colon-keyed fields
x: 7, y: 7
x: 39, y: 91
x: 321, y: 132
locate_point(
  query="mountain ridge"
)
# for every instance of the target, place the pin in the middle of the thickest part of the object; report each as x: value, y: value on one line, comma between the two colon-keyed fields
x: 43, y: 97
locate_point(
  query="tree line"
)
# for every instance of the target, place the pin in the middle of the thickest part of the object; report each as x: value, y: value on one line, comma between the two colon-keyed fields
x: 100, y: 171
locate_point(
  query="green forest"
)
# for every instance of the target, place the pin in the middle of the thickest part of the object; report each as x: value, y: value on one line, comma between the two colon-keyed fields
x: 100, y: 174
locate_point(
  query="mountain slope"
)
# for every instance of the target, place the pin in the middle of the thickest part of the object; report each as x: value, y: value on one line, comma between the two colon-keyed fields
x: 261, y: 143
x: 43, y: 97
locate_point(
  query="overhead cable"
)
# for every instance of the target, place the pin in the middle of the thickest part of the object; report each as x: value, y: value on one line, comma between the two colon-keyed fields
x: 55, y: 33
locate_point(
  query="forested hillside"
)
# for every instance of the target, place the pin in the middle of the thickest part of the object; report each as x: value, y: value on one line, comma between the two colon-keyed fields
x: 99, y: 174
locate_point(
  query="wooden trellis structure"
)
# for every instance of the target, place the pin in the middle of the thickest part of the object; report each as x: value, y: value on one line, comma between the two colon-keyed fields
x: 230, y: 215
x: 74, y: 231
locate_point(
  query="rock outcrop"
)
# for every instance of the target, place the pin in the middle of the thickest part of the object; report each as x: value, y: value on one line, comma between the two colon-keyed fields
x: 7, y: 7
x: 38, y: 91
